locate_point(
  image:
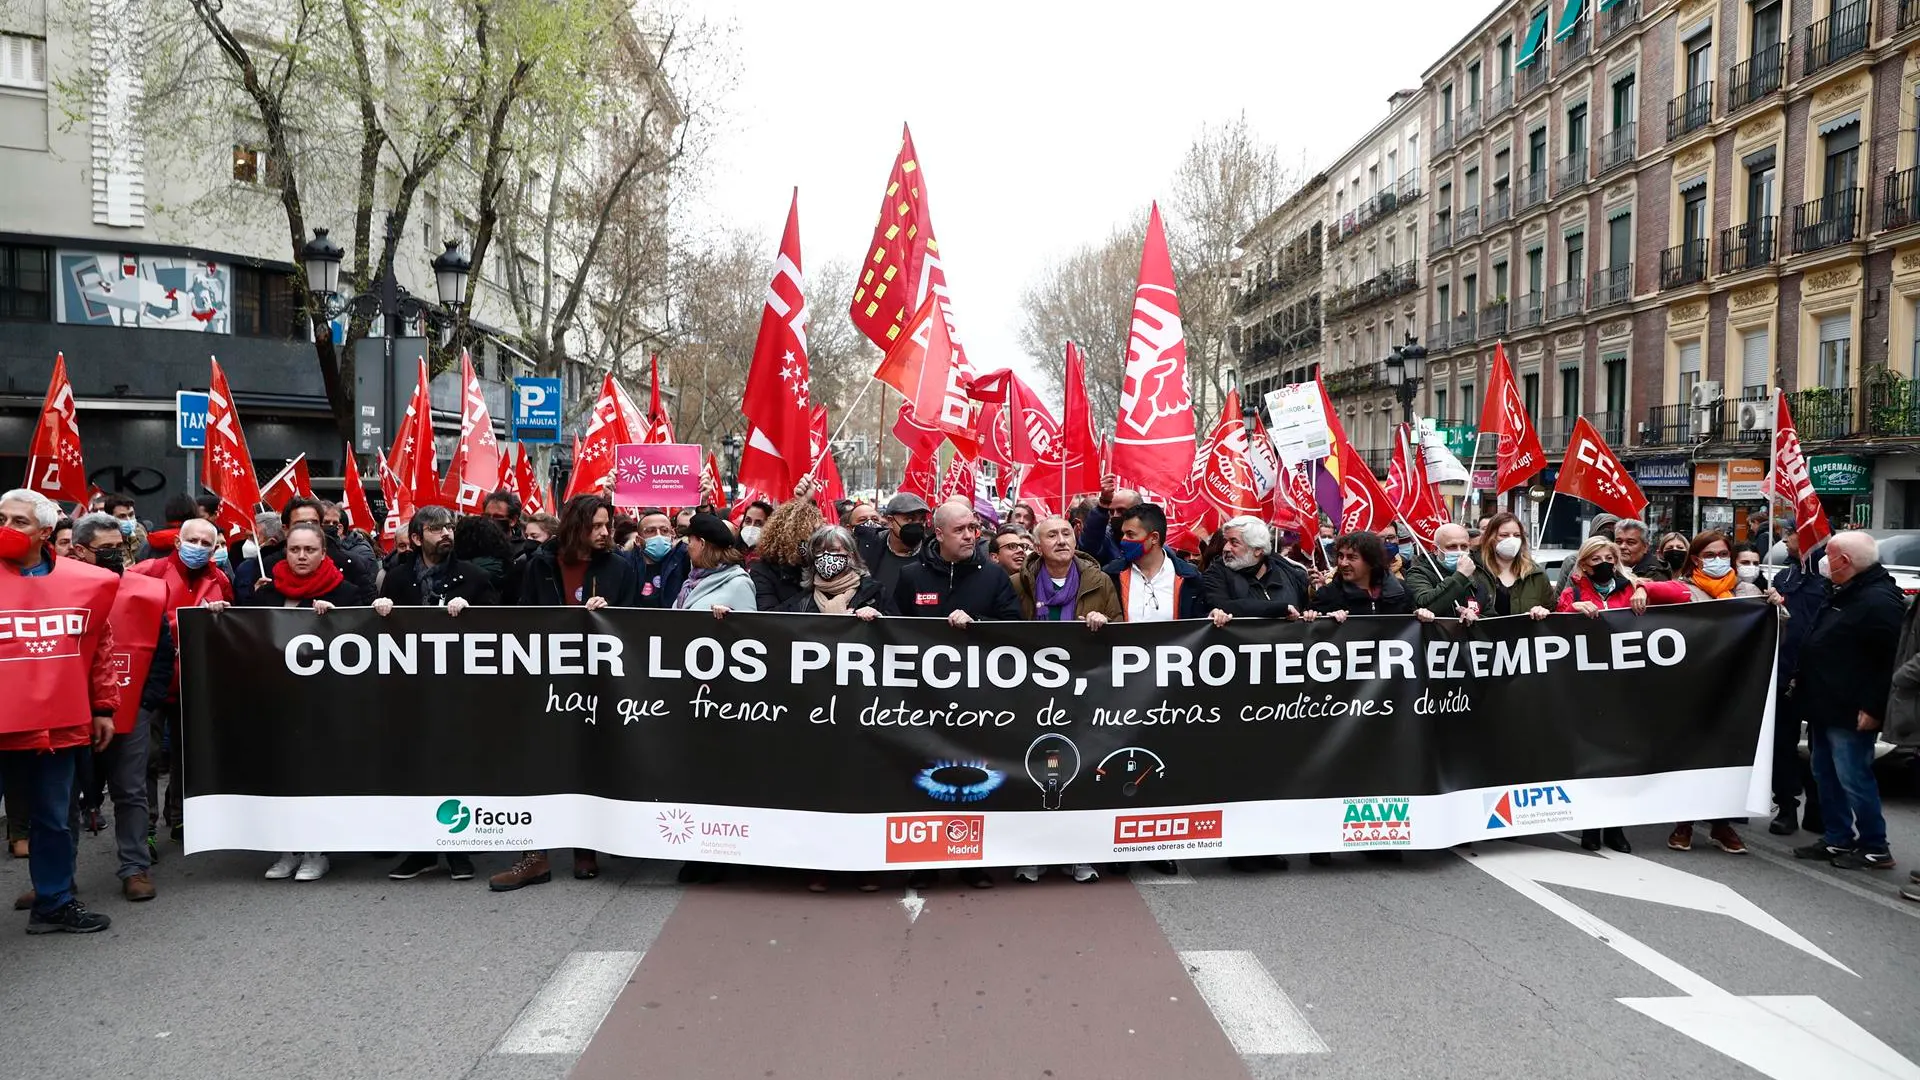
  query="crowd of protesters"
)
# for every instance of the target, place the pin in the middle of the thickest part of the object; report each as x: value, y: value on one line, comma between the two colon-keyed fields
x: 1849, y: 653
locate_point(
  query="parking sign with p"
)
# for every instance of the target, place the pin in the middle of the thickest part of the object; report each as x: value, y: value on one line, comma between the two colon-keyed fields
x: 536, y: 410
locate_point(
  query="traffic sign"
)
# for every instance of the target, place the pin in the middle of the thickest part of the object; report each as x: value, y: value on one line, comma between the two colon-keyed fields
x: 536, y: 410
x: 190, y: 419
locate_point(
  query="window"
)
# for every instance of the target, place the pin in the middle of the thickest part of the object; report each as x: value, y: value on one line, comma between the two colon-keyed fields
x: 1468, y: 408
x: 1754, y: 363
x: 1502, y: 170
x: 1693, y: 215
x: 1446, y: 103
x: 1622, y: 102
x: 1393, y: 166
x: 1569, y: 393
x: 23, y: 62
x: 1576, y: 265
x: 253, y: 165
x: 263, y: 303
x: 1536, y: 271
x: 1689, y: 369
x: 1472, y: 184
x: 1699, y: 62
x: 26, y: 291
x: 1373, y: 178
x: 1537, y: 152
x: 1506, y: 59
x: 1445, y: 295
x: 1530, y: 395
x: 1473, y: 84
x: 1620, y: 242
x: 1766, y: 26
x: 430, y: 221
x: 1616, y: 386
x: 1759, y: 186
x: 1576, y: 129
x: 1836, y: 347
x: 1440, y: 404
x: 1470, y: 288
x: 1499, y: 285
x: 1841, y: 148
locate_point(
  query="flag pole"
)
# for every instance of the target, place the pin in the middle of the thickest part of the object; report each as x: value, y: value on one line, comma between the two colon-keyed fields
x: 1540, y: 530
x: 846, y: 417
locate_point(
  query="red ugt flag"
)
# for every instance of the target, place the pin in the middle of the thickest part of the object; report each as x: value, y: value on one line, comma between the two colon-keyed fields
x: 1504, y: 414
x: 1153, y: 433
x: 227, y: 470
x: 1592, y: 471
x: 1410, y: 490
x: 475, y: 471
x: 1226, y: 476
x: 1791, y: 479
x: 54, y: 468
x: 415, y: 463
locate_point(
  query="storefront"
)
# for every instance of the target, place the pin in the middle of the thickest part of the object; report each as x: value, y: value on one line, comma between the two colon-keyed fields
x: 1845, y: 486
x: 1729, y: 497
x: 1667, y: 483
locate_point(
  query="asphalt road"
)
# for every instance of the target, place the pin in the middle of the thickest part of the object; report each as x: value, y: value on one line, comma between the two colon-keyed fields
x: 1508, y: 960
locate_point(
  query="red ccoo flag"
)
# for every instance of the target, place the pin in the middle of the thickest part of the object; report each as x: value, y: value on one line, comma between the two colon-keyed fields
x: 925, y: 367
x: 614, y: 421
x: 659, y: 424
x: 354, y: 493
x: 475, y: 471
x: 415, y: 464
x: 1791, y: 479
x: 1592, y: 471
x: 1520, y: 455
x: 1153, y: 434
x: 227, y: 470
x: 290, y: 483
x: 54, y: 468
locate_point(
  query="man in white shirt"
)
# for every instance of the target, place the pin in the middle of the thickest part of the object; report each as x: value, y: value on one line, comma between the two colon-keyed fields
x: 1155, y: 585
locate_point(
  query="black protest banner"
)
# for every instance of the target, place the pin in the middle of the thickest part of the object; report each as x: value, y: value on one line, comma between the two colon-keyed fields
x: 823, y: 741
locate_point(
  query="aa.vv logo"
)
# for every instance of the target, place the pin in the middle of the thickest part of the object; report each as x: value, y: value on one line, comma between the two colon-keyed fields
x: 1377, y: 823
x: 454, y: 815
x: 457, y: 816
x: 1528, y: 806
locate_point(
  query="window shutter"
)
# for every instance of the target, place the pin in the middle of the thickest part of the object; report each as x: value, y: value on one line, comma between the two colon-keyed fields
x: 1690, y: 358
x: 1836, y: 327
x: 1754, y: 360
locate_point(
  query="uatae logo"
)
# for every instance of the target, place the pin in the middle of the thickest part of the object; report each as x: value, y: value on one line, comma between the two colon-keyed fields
x: 1528, y: 806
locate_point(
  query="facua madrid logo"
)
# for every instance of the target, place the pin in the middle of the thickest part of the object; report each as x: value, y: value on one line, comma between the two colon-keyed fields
x: 1527, y: 806
x: 457, y: 816
x: 676, y: 825
x: 454, y: 815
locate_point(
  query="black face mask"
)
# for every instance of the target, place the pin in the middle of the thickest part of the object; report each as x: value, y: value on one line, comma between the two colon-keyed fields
x: 114, y: 560
x: 332, y: 531
x: 913, y: 534
x: 1674, y: 559
x: 1601, y: 573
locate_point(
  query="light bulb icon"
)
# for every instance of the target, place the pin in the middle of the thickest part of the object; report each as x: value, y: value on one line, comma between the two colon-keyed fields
x: 1052, y: 763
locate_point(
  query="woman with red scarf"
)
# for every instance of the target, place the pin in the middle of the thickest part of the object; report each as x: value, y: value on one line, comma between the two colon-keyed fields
x: 304, y: 578
x: 1709, y: 574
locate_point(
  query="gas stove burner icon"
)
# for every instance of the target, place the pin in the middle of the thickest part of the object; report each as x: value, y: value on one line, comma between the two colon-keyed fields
x: 1052, y: 763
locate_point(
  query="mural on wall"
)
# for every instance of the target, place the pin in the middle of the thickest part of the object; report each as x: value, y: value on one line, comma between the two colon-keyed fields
x: 154, y: 291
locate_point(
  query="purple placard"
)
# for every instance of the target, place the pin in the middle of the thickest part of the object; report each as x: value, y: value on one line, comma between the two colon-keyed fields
x: 656, y: 474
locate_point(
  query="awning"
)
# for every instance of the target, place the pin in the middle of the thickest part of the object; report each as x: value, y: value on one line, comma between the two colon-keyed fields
x: 1570, y: 19
x: 1834, y: 125
x: 1536, y: 34
x: 1609, y: 5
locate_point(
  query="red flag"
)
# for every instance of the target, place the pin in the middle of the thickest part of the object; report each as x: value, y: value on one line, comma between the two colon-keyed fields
x: 921, y: 475
x: 389, y: 495
x: 712, y: 490
x: 659, y: 424
x: 959, y: 480
x: 1080, y: 446
x: 1153, y: 433
x: 54, y: 468
x: 827, y: 471
x: 416, y: 463
x: 903, y: 266
x: 1592, y: 471
x: 1226, y: 477
x: 1016, y: 427
x: 291, y: 482
x: 925, y: 367
x: 917, y: 437
x: 614, y: 421
x: 475, y: 470
x: 227, y: 470
x: 1365, y: 505
x: 1409, y: 489
x: 354, y: 494
x: 533, y: 497
x: 778, y: 396
x: 1791, y: 479
x: 1504, y: 414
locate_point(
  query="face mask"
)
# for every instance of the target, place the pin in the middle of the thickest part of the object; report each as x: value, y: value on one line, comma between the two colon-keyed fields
x: 220, y: 556
x: 249, y: 550
x: 1508, y: 548
x: 126, y: 526
x: 829, y: 565
x: 1393, y: 552
x: 1132, y: 550
x: 1450, y: 560
x: 657, y: 547
x: 750, y: 535
x: 13, y: 544
x: 1674, y: 559
x: 1820, y: 569
x: 1748, y: 572
x: 193, y: 556
x: 1716, y: 567
x: 1601, y: 573
x: 913, y: 534
x: 332, y: 531
x: 114, y: 560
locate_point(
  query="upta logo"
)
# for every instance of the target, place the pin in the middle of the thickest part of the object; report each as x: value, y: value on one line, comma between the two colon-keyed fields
x: 454, y: 815
x: 1528, y: 806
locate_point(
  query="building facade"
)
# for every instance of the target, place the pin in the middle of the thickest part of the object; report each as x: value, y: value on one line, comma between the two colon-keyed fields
x: 1374, y: 270
x: 1278, y: 322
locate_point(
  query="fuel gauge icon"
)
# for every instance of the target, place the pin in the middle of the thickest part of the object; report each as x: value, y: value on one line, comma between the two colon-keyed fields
x: 1135, y: 766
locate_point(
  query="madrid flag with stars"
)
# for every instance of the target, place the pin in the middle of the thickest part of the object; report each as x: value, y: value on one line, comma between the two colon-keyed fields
x: 778, y: 402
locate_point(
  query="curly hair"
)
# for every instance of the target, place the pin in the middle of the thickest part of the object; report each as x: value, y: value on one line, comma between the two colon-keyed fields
x: 783, y: 541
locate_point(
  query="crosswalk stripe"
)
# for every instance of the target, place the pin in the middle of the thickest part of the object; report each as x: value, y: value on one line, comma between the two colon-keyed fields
x: 563, y: 1016
x: 1258, y: 1016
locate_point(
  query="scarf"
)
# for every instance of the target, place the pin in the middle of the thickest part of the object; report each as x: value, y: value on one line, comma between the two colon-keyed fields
x: 834, y: 596
x: 1716, y: 588
x: 686, y: 591
x: 1059, y: 601
x: 325, y: 578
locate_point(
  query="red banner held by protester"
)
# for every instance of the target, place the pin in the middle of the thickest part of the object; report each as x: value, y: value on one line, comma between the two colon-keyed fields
x: 475, y: 470
x: 1409, y: 489
x: 54, y: 466
x: 291, y: 482
x: 354, y: 495
x: 1520, y: 455
x: 227, y: 469
x: 1793, y: 481
x: 1592, y: 471
x: 1153, y: 438
x: 614, y: 421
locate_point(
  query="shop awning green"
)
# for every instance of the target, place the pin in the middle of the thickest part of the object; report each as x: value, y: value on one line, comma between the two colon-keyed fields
x: 1536, y: 34
x: 1570, y: 19
x: 1609, y: 5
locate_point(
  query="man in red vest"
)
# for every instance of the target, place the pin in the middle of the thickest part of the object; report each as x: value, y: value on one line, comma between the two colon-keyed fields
x: 143, y: 655
x: 57, y: 648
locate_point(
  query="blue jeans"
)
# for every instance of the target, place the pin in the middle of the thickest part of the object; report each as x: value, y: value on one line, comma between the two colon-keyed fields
x: 46, y: 780
x: 1849, y: 795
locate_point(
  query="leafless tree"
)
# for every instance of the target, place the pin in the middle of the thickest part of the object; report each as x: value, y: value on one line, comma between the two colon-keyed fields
x: 1087, y: 298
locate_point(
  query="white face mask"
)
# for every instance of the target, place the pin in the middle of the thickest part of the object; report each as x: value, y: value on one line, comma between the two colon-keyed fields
x: 750, y: 535
x: 1748, y: 572
x: 1508, y: 548
x: 1821, y: 567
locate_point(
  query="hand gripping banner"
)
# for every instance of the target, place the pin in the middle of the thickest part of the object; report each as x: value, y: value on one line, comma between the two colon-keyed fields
x: 825, y: 742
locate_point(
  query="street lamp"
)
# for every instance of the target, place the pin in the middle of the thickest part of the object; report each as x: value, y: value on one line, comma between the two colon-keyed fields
x: 733, y: 444
x: 1406, y: 371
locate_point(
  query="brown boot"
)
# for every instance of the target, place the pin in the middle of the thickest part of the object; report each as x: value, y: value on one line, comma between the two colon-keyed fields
x: 24, y: 901
x: 17, y: 848
x: 137, y: 887
x: 530, y: 870
x: 586, y: 864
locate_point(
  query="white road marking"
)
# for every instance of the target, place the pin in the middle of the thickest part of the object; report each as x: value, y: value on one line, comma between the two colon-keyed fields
x: 914, y: 903
x: 1258, y: 1016
x: 563, y: 1016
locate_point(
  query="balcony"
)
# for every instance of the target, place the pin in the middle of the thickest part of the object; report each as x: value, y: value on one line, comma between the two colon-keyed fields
x: 1438, y: 337
x: 1759, y: 76
x: 1611, y: 286
x: 1493, y: 320
x: 1529, y: 312
x: 1566, y: 298
x: 1822, y: 413
x: 1575, y: 47
x: 1499, y: 206
x: 1570, y: 171
x: 1534, y: 75
x: 1463, y: 329
x: 1534, y: 191
x: 1730, y: 419
x: 1683, y: 265
x: 1827, y: 222
x: 1909, y: 15
x: 1443, y: 136
x: 1893, y: 402
x: 1555, y: 431
x: 1467, y: 225
x: 1749, y: 246
x: 1668, y: 425
x: 1468, y: 122
x: 1690, y: 111
x: 1611, y: 425
x: 1408, y: 187
x: 1502, y: 97
x: 1838, y: 36
x: 1440, y: 237
x: 1900, y: 206
x: 1617, y: 147
x: 1619, y: 19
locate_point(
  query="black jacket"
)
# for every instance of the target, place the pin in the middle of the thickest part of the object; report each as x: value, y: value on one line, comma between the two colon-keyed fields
x: 1806, y: 594
x: 773, y: 584
x: 1242, y: 594
x: 869, y: 593
x: 876, y: 550
x: 1846, y: 665
x: 608, y: 575
x: 465, y: 580
x: 660, y: 582
x: 1339, y: 595
x: 358, y: 572
x: 930, y: 585
x: 1096, y: 539
x: 264, y: 595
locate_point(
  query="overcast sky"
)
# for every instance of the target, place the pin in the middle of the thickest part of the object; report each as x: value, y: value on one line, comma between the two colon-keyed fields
x: 1039, y: 124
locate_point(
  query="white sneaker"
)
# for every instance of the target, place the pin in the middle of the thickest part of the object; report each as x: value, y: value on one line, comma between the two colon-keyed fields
x: 313, y: 867
x: 1084, y: 873
x: 284, y: 869
x: 1027, y: 873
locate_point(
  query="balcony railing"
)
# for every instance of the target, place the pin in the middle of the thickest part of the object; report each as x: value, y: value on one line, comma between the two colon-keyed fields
x: 1554, y: 433
x: 1759, y: 76
x: 1748, y: 246
x: 1529, y: 311
x: 1468, y: 121
x: 1617, y: 147
x: 1439, y: 336
x: 1893, y: 401
x: 1463, y: 333
x: 1620, y: 19
x: 1570, y: 171
x: 1730, y: 418
x: 1576, y: 46
x: 1822, y: 413
x: 1502, y: 97
x: 1566, y: 298
x: 1668, y: 425
x: 1440, y: 237
x: 1611, y: 425
x: 1690, y: 111
x: 1613, y: 285
x: 1499, y: 206
x: 1493, y: 320
x: 1533, y: 191
x: 1467, y: 225
x: 1826, y: 222
x: 1838, y: 36
x: 1900, y: 206
x: 1684, y: 264
x: 1909, y: 15
x: 1408, y: 187
x: 1534, y: 76
x: 1443, y: 136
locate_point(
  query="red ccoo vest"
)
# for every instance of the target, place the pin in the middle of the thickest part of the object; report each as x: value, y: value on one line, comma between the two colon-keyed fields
x: 138, y: 607
x: 50, y: 629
